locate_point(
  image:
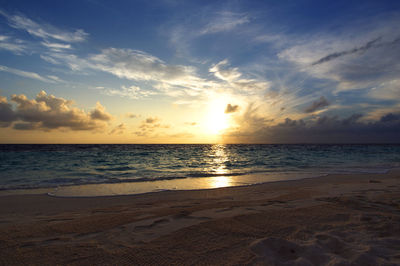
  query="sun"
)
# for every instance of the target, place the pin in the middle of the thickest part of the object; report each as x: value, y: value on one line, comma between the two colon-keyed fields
x: 216, y: 120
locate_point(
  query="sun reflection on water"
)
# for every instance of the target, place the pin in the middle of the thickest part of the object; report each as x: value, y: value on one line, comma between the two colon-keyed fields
x: 219, y: 154
x: 220, y: 181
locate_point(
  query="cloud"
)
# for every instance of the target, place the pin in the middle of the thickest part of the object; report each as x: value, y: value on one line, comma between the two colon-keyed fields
x: 225, y: 21
x: 133, y: 92
x: 130, y: 115
x: 137, y: 65
x: 151, y: 120
x: 99, y: 113
x: 47, y: 112
x: 149, y: 126
x: 223, y: 73
x: 231, y: 108
x: 353, y: 59
x: 234, y: 79
x: 335, y: 55
x: 7, y: 115
x: 26, y: 126
x: 10, y: 44
x: 325, y: 129
x: 74, y: 62
x: 44, y: 31
x: 120, y: 129
x: 158, y: 77
x: 181, y: 135
x: 191, y: 123
x: 56, y: 47
x: 322, y: 102
x: 388, y: 90
x: 27, y: 74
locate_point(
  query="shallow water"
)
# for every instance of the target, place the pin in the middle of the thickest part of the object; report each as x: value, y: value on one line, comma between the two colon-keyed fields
x: 41, y: 166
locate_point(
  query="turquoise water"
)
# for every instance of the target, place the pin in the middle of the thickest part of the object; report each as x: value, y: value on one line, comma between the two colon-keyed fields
x: 43, y: 166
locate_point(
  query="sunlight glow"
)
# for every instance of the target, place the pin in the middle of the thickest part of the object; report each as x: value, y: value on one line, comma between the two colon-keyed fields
x: 220, y: 157
x: 216, y: 119
x: 220, y: 181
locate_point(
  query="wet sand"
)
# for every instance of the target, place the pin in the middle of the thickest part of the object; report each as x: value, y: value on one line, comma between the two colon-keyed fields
x: 332, y: 220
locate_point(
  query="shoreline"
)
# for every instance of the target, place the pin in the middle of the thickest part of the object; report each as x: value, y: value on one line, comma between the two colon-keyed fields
x: 182, y: 184
x: 339, y: 219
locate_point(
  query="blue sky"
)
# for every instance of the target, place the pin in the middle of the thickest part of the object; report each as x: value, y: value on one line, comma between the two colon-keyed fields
x: 199, y: 71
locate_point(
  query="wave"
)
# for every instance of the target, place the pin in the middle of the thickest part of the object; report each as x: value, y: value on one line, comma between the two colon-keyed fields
x: 40, y: 166
x: 59, y: 182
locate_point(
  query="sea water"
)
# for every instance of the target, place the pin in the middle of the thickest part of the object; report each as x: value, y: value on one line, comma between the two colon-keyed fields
x: 58, y: 166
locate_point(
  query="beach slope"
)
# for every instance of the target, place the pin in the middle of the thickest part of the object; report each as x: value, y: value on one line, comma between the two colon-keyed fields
x: 332, y: 220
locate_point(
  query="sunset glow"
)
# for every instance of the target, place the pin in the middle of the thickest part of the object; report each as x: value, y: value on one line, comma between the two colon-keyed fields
x: 216, y: 119
x: 199, y: 72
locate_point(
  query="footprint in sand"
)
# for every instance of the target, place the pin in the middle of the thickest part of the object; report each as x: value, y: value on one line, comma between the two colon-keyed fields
x: 324, y: 249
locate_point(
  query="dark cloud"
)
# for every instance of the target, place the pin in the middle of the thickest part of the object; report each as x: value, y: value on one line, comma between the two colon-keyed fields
x: 181, y: 135
x: 100, y: 113
x: 326, y: 129
x: 120, y: 129
x: 26, y: 126
x: 332, y: 56
x: 130, y: 115
x: 231, y: 108
x: 47, y: 112
x: 374, y: 64
x: 149, y: 126
x: 190, y: 123
x: 7, y: 115
x: 151, y: 120
x: 390, y: 118
x: 322, y: 102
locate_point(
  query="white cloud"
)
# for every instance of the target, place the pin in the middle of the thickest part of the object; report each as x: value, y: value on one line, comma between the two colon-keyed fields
x: 354, y: 61
x: 32, y: 75
x: 44, y: 31
x: 133, y: 92
x: 56, y: 46
x: 388, y: 90
x: 10, y: 44
x: 138, y: 65
x: 234, y: 79
x: 74, y: 62
x: 225, y: 21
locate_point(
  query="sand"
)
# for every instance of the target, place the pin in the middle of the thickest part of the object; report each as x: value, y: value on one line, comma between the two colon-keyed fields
x: 332, y: 220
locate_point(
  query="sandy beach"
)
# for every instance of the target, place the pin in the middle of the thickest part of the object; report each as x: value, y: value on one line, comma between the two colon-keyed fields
x: 332, y: 220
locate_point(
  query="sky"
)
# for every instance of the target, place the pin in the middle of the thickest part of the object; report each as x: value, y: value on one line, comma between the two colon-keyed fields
x: 174, y: 71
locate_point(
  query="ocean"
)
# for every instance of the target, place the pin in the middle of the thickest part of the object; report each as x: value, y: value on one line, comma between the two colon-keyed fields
x: 147, y: 168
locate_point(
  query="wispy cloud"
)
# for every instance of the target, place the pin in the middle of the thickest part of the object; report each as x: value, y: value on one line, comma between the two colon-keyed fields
x: 32, y: 75
x: 139, y: 66
x: 320, y: 103
x: 360, y: 62
x: 335, y: 55
x: 14, y: 45
x: 120, y: 129
x: 225, y: 21
x: 133, y: 92
x: 233, y: 77
x: 44, y: 31
x: 388, y: 90
x: 56, y: 47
